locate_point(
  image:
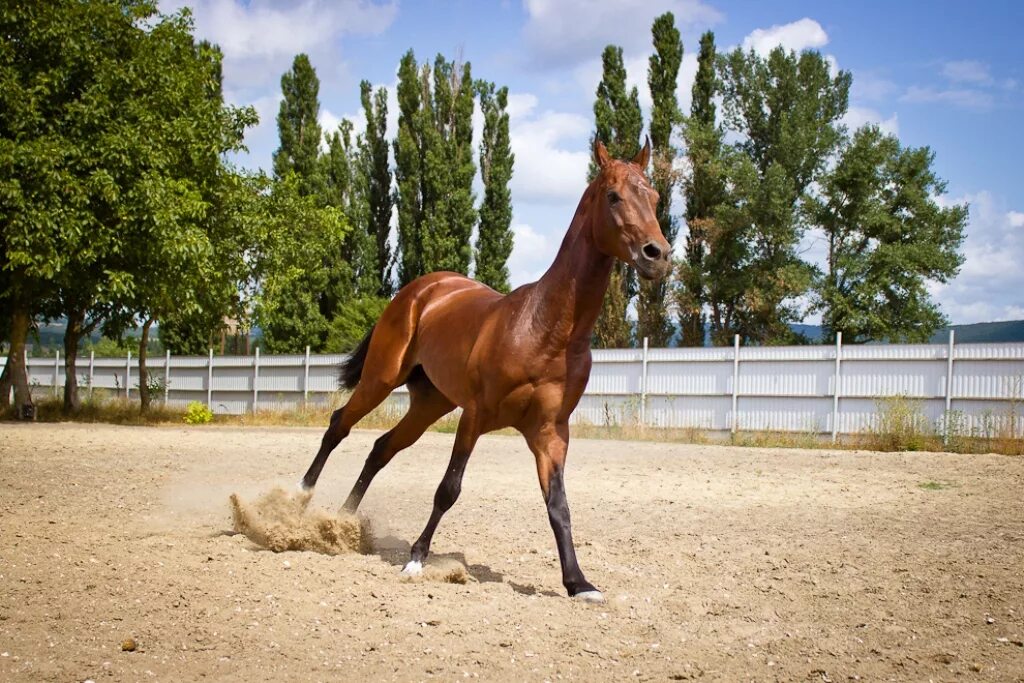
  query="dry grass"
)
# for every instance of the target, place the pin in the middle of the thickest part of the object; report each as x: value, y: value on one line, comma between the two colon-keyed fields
x: 900, y: 425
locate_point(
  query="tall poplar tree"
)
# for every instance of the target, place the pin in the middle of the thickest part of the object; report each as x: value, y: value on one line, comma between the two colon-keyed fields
x: 449, y: 214
x: 299, y: 127
x: 618, y: 123
x: 408, y: 147
x: 662, y: 74
x: 494, y: 235
x: 704, y: 187
x: 377, y: 172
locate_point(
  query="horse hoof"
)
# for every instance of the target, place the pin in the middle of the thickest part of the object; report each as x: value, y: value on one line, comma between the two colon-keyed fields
x: 413, y: 568
x: 302, y: 488
x: 589, y: 596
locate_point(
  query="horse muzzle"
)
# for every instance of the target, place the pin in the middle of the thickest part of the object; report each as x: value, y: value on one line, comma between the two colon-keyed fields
x: 654, y: 261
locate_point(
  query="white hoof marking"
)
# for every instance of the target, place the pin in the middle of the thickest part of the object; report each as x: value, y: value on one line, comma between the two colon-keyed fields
x: 302, y: 487
x: 413, y: 568
x: 589, y: 596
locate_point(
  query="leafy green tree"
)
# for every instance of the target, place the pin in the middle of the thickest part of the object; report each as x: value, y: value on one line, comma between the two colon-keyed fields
x: 448, y: 171
x: 110, y: 117
x: 296, y: 236
x: 376, y: 171
x: 494, y: 238
x: 353, y: 271
x: 704, y: 186
x: 354, y: 320
x: 298, y: 126
x: 785, y: 112
x: 618, y: 124
x: 408, y: 147
x: 662, y: 74
x: 181, y: 220
x: 887, y: 238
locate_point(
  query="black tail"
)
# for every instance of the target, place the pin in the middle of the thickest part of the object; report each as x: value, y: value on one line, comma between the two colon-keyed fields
x: 352, y: 367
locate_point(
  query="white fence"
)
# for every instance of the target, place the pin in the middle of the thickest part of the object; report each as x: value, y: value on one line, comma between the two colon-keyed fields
x: 975, y: 388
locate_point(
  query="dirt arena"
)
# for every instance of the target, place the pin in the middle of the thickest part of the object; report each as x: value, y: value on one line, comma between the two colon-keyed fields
x: 718, y: 563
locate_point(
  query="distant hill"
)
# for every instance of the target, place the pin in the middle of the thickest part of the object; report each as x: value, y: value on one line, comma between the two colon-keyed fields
x: 1007, y: 331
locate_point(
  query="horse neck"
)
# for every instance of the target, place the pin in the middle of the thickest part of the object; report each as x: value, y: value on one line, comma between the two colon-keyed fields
x: 573, y: 288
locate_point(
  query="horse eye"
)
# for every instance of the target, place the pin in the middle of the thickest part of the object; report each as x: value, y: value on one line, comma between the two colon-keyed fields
x: 614, y: 198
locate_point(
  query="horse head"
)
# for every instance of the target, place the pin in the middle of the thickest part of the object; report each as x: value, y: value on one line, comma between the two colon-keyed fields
x: 624, y: 214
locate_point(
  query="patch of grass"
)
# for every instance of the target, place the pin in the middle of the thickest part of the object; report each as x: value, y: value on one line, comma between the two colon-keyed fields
x: 934, y: 485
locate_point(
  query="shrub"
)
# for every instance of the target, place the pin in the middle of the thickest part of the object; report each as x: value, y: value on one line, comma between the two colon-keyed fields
x: 901, y: 425
x: 198, y: 413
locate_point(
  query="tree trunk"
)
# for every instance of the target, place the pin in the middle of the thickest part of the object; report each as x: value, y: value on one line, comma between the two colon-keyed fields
x: 144, y: 396
x: 5, y: 386
x: 20, y: 322
x: 72, y: 334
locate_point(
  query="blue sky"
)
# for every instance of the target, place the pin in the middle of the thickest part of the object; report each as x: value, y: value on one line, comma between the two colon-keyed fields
x: 949, y: 75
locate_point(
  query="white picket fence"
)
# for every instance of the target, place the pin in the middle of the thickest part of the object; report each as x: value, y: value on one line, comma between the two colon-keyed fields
x: 833, y: 389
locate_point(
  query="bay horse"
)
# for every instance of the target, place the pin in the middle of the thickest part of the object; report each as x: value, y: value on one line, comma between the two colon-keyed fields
x: 520, y: 360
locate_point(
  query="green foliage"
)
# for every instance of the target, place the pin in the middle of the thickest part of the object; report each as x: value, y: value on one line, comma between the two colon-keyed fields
x: 784, y: 112
x: 617, y: 118
x: 198, y: 414
x: 354, y: 320
x: 448, y: 171
x: 377, y: 179
x: 618, y: 123
x: 887, y: 238
x: 110, y: 162
x: 408, y: 146
x: 297, y: 237
x: 901, y: 425
x: 494, y: 239
x: 299, y: 128
x: 353, y: 270
x: 662, y: 76
x: 704, y: 186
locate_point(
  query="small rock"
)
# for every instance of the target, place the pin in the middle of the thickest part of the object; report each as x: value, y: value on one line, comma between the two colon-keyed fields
x: 989, y: 620
x: 128, y: 645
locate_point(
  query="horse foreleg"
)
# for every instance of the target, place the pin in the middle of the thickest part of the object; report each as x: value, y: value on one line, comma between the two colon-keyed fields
x: 426, y: 406
x: 365, y: 398
x: 550, y: 445
x: 448, y: 491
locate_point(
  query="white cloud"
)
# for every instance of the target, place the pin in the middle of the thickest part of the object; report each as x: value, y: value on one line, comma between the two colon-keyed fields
x: 261, y: 37
x: 532, y: 253
x: 967, y: 71
x: 964, y: 98
x: 871, y: 88
x: 545, y: 171
x: 568, y: 32
x: 990, y: 279
x: 859, y: 116
x: 798, y: 35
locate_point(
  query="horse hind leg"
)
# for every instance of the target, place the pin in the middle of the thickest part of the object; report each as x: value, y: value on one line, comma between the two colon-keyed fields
x: 382, y: 372
x: 426, y: 406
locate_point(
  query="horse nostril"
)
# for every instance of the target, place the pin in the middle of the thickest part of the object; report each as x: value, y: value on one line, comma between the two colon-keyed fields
x: 652, y: 251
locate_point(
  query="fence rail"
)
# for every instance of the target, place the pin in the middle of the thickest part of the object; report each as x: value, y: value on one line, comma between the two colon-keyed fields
x: 832, y: 389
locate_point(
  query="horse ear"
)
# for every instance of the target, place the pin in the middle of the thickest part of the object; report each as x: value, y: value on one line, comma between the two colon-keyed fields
x: 644, y: 155
x: 601, y: 157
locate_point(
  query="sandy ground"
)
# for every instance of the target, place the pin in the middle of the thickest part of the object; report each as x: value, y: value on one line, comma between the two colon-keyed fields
x: 718, y: 563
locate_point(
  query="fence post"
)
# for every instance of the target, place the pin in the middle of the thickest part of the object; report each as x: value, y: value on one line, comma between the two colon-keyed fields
x: 949, y: 389
x: 835, y: 388
x: 735, y: 381
x: 128, y: 377
x: 56, y: 373
x: 209, y: 382
x: 643, y: 388
x: 167, y: 375
x: 92, y: 364
x: 305, y: 379
x: 255, y: 380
